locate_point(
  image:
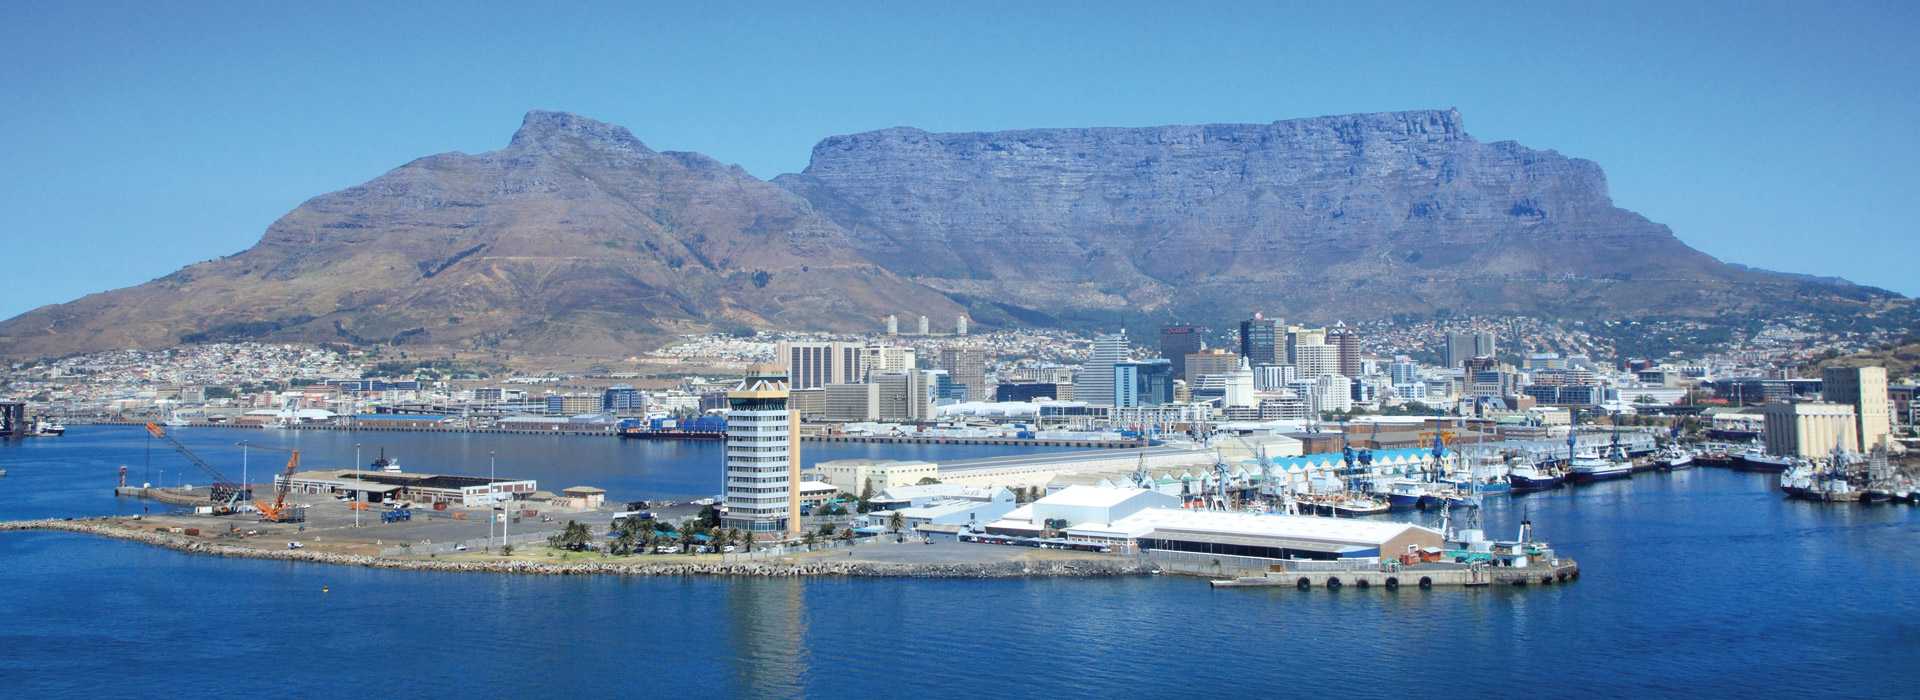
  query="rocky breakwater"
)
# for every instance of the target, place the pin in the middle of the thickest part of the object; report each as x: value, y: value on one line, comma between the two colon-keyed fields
x: 132, y: 531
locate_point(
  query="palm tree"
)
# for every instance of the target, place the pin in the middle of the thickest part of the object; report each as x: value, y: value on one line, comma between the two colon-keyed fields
x: 895, y: 523
x: 624, y: 544
x: 809, y: 539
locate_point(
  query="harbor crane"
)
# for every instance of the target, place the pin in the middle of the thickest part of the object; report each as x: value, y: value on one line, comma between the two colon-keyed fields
x: 279, y: 511
x: 224, y: 492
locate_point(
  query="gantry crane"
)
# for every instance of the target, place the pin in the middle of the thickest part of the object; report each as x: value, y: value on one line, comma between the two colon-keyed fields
x: 224, y: 492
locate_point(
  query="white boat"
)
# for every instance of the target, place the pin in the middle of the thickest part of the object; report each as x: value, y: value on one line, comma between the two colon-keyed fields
x: 175, y: 421
x: 1757, y: 460
x: 1589, y: 466
x: 1676, y: 458
x: 49, y: 429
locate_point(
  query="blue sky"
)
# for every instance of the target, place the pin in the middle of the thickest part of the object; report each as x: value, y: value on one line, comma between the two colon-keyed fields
x: 140, y: 137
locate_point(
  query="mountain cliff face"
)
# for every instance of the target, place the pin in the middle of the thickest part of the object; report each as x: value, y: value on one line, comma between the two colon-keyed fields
x: 579, y: 239
x: 575, y: 238
x: 1358, y: 215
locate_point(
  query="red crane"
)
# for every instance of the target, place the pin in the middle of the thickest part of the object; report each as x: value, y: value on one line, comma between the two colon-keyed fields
x: 279, y: 511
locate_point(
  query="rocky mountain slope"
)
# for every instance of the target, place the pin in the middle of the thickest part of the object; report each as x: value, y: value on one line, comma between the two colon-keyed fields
x: 578, y: 239
x: 1356, y: 215
x: 574, y: 238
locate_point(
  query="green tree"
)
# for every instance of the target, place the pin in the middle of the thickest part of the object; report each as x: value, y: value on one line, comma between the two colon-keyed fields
x: 896, y: 523
x: 927, y: 481
x: 826, y: 529
x: 809, y: 539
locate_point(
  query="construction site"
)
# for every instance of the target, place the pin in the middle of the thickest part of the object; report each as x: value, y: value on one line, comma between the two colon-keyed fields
x: 366, y: 512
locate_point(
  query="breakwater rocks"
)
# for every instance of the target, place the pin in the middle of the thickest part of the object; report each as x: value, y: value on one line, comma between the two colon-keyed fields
x: 130, y: 530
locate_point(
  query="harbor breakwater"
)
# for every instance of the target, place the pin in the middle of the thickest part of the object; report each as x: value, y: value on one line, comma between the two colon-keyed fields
x: 125, y: 530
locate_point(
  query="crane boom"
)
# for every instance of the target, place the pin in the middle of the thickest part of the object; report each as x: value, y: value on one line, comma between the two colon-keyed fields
x: 224, y: 490
x: 277, y: 511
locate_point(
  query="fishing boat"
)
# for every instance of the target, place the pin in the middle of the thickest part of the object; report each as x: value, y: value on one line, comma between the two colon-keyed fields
x: 1588, y: 466
x: 1354, y: 507
x: 1407, y: 494
x: 1527, y: 478
x: 1675, y: 457
x: 1757, y: 460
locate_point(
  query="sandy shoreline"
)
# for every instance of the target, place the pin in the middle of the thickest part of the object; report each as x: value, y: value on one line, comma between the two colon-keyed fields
x: 122, y: 529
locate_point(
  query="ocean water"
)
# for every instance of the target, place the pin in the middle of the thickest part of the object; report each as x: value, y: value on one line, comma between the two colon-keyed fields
x: 1703, y: 583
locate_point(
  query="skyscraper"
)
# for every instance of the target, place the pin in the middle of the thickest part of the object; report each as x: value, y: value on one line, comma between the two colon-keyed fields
x: 885, y: 358
x: 816, y: 364
x: 1095, y: 385
x: 893, y: 324
x: 1142, y: 383
x: 960, y: 325
x: 1260, y: 340
x: 1346, y: 346
x: 1176, y: 342
x: 1210, y: 361
x: 1865, y: 389
x: 1315, y: 360
x: 763, y: 456
x: 924, y: 328
x: 1466, y: 346
x: 968, y: 367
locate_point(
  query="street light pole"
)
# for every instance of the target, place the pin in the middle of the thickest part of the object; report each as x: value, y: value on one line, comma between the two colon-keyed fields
x: 493, y: 497
x: 243, y: 470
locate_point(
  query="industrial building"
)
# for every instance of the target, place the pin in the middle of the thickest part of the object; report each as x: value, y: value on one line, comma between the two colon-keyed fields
x: 379, y: 487
x: 1131, y: 519
x: 1809, y: 428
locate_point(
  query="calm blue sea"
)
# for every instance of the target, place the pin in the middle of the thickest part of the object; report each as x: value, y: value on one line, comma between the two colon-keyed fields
x: 1703, y: 583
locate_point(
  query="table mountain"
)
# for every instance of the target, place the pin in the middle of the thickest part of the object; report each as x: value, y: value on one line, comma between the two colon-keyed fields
x: 1361, y: 215
x: 576, y: 238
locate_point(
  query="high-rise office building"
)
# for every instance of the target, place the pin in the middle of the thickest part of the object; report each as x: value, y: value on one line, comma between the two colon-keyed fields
x: 884, y: 358
x: 1176, y: 342
x: 1260, y: 340
x: 906, y: 397
x: 893, y: 324
x: 1403, y: 370
x: 968, y: 367
x: 763, y: 456
x: 1466, y: 346
x: 1095, y: 385
x: 1315, y: 360
x: 1142, y: 383
x: 1346, y: 346
x: 623, y: 399
x: 1296, y: 336
x: 960, y: 325
x: 816, y: 364
x: 1865, y: 389
x: 925, y: 328
x: 1210, y: 361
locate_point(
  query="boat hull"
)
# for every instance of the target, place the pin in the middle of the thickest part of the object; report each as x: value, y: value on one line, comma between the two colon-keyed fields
x: 1605, y: 475
x: 1522, y: 484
